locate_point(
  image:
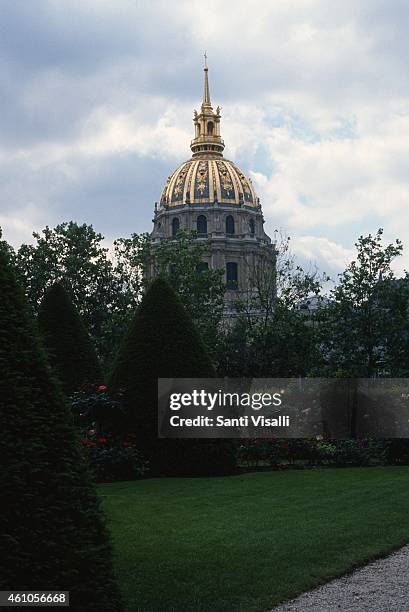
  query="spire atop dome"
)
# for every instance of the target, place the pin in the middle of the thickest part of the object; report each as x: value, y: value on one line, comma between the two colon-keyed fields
x: 207, y: 141
x: 206, y: 91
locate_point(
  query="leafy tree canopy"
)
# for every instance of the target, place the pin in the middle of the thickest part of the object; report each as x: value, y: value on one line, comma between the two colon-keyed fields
x: 74, y: 255
x: 271, y: 336
x: 200, y: 288
x: 364, y: 329
x: 105, y: 286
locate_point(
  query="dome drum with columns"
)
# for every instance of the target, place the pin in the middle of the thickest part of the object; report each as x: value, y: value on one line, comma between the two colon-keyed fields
x: 211, y: 195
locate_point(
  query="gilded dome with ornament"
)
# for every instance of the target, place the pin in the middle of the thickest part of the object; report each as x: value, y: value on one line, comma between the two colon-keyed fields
x: 201, y: 181
x: 208, y: 178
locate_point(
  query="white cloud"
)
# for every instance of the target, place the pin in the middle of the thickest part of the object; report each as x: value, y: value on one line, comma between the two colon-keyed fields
x: 19, y: 225
x: 327, y: 255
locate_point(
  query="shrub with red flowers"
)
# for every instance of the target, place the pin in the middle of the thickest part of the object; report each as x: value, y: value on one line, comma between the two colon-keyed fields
x: 111, y: 458
x: 299, y: 452
x: 93, y: 408
x: 111, y: 454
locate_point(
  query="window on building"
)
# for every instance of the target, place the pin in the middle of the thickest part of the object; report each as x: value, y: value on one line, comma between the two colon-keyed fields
x: 252, y: 227
x: 232, y: 279
x: 210, y: 127
x: 201, y: 225
x: 203, y: 266
x: 175, y: 226
x: 229, y: 225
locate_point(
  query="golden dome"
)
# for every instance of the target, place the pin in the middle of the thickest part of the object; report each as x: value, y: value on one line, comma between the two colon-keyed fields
x: 208, y: 178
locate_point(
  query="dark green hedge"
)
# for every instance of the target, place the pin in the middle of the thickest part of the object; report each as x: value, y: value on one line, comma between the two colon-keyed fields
x: 162, y: 342
x: 70, y: 350
x: 52, y: 532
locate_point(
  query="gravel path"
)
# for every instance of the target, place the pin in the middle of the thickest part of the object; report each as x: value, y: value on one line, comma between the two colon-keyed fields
x: 381, y: 586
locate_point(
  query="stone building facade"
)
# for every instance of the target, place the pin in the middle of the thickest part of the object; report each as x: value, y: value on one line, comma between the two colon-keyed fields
x: 211, y: 195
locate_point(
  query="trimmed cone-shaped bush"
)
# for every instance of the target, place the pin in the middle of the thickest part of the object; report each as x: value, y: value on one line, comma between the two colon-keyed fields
x: 52, y: 531
x: 69, y: 347
x: 162, y: 342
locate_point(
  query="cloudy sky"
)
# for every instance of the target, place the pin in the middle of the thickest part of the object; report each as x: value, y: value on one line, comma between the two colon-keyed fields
x: 97, y: 98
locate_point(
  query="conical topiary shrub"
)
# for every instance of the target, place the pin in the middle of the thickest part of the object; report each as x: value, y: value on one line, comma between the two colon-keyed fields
x: 52, y: 532
x: 69, y: 347
x: 162, y: 342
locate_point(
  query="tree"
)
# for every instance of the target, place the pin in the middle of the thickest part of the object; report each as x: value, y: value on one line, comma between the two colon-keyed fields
x: 162, y: 342
x: 364, y: 328
x: 74, y: 256
x: 51, y: 525
x: 70, y: 350
x: 178, y: 260
x: 282, y: 346
x: 106, y: 286
x: 277, y: 279
x: 7, y: 248
x: 271, y: 336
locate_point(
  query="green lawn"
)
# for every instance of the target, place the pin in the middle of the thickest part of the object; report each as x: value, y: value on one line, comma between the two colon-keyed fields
x: 244, y: 543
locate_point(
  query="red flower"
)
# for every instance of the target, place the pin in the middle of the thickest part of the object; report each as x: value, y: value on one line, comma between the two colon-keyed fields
x: 129, y: 441
x: 102, y: 388
x: 102, y: 440
x: 89, y: 443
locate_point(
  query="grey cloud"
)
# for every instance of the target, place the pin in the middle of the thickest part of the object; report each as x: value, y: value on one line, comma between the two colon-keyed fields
x: 114, y: 193
x: 61, y: 62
